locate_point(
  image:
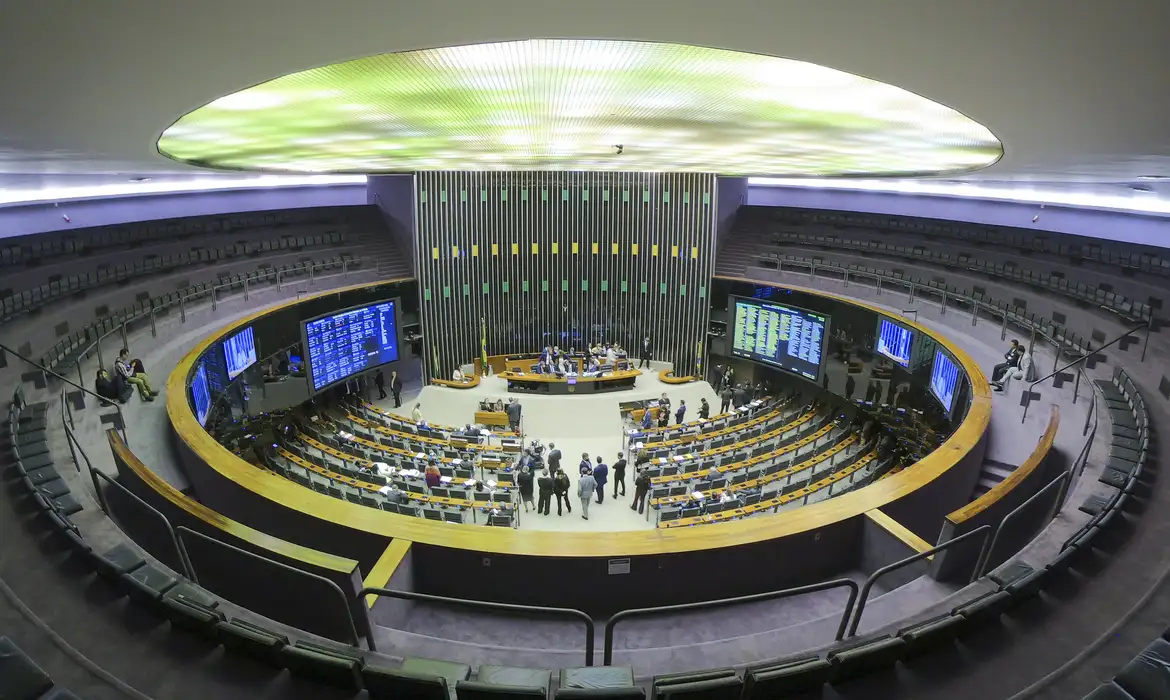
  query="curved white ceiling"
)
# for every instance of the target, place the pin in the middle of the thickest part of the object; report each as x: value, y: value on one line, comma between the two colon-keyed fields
x: 1075, y: 90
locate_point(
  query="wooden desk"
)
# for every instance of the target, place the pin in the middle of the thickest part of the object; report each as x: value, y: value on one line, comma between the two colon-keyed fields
x: 492, y: 418
x: 552, y: 384
x: 666, y: 376
x: 469, y: 383
x: 396, y: 419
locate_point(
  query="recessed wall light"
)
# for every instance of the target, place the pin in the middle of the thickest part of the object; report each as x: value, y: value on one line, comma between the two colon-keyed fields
x: 140, y: 179
x: 1156, y: 178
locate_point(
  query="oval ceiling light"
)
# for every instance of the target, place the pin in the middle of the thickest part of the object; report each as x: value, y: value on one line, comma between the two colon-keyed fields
x: 670, y: 107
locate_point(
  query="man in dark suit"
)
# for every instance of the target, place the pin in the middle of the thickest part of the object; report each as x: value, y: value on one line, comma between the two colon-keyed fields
x: 644, y: 353
x: 641, y: 486
x: 380, y: 382
x: 396, y: 388
x: 619, y: 475
x: 554, y: 459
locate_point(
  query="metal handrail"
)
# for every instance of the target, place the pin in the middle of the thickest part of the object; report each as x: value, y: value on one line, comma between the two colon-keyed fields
x: 723, y: 602
x: 1079, y: 360
x: 344, y: 600
x: 184, y: 560
x: 590, y: 629
x: 984, y: 530
x: 50, y: 373
x: 1062, y: 479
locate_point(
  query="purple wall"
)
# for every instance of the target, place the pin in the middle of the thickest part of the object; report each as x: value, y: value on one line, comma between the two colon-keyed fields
x: 732, y: 191
x: 41, y: 217
x: 1095, y: 223
x: 394, y: 197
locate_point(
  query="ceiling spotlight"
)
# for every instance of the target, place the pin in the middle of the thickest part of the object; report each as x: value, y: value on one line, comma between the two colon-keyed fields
x: 140, y: 179
x: 1155, y: 178
x: 1141, y: 188
x: 619, y: 148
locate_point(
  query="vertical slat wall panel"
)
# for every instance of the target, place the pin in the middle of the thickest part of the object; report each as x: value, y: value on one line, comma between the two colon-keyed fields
x: 529, y: 295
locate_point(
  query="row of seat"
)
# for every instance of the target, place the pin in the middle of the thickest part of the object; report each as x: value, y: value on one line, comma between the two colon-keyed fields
x: 14, y: 303
x: 1125, y: 255
x: 22, y: 679
x: 36, y: 248
x: 1130, y: 430
x: 65, y: 353
x: 1070, y: 342
x: 25, y: 438
x: 1128, y: 309
x: 1145, y: 677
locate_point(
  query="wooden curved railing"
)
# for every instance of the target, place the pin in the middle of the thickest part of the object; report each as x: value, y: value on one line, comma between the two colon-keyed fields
x: 1024, y: 473
x: 218, y: 464
x: 666, y: 376
x: 471, y: 382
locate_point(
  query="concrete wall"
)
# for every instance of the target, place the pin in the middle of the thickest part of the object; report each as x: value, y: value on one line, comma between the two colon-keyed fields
x: 732, y: 192
x: 41, y: 217
x: 394, y: 197
x: 1108, y: 225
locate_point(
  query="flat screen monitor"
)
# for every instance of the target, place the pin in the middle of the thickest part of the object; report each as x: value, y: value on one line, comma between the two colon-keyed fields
x: 894, y: 341
x: 200, y: 394
x: 239, y: 352
x: 944, y: 379
x: 344, y: 343
x: 781, y: 336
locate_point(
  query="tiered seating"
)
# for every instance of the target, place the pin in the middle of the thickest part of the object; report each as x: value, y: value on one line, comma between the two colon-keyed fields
x: 20, y: 301
x: 1130, y: 438
x: 25, y: 438
x: 1146, y: 677
x: 68, y: 350
x: 22, y: 679
x: 1128, y: 309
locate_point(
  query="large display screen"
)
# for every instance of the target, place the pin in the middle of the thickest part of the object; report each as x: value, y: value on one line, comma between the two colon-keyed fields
x: 780, y: 336
x: 239, y: 352
x: 342, y: 344
x: 579, y: 104
x: 894, y: 341
x: 944, y: 379
x: 200, y: 394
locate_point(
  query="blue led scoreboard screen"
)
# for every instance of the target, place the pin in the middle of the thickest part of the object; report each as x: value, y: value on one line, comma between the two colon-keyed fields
x: 342, y: 344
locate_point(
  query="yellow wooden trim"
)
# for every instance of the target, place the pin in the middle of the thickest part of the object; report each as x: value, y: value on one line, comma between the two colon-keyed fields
x: 385, y: 567
x: 472, y: 381
x: 490, y: 540
x: 260, y: 540
x: 1003, y: 488
x: 666, y: 376
x: 900, y: 531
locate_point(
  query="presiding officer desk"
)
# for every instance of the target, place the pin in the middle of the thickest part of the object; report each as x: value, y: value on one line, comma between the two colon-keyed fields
x: 618, y: 380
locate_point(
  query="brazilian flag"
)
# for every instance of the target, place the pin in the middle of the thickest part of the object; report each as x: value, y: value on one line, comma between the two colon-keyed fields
x: 483, y: 356
x: 435, y: 373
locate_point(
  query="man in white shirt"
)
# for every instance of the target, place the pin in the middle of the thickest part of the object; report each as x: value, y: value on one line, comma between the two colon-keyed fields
x: 416, y: 414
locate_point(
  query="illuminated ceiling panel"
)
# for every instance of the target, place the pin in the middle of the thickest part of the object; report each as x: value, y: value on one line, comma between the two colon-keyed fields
x: 569, y: 104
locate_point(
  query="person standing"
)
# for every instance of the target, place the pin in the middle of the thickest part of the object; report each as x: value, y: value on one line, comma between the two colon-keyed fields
x: 725, y: 399
x: 525, y: 480
x: 513, y: 415
x: 545, y: 486
x: 584, y: 465
x: 396, y: 388
x: 416, y: 413
x: 561, y: 488
x: 850, y: 387
x: 619, y: 475
x: 704, y: 409
x: 641, y: 487
x: 586, y: 487
x: 601, y: 477
x: 380, y: 382
x: 681, y: 413
x: 738, y: 396
x: 644, y: 353
x: 554, y: 458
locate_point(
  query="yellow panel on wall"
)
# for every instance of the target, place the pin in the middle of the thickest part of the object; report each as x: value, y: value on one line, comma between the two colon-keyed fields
x: 574, y: 247
x: 633, y: 248
x: 654, y: 250
x: 515, y: 249
x: 694, y: 252
x: 435, y: 253
x: 475, y: 250
x: 614, y: 248
x: 674, y: 251
x: 535, y: 248
x: 595, y: 247
x: 556, y: 248
x: 495, y: 249
x: 454, y: 251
